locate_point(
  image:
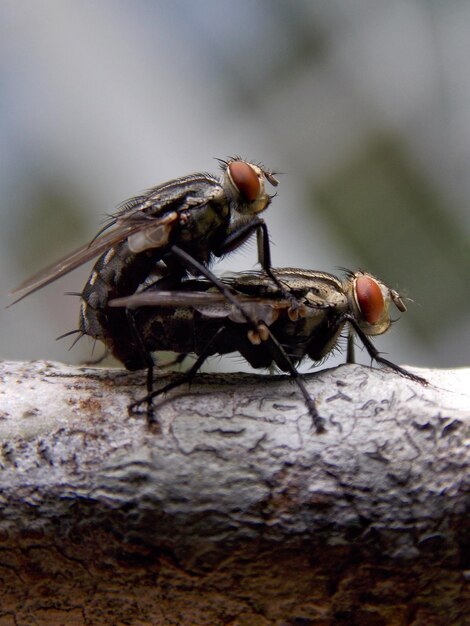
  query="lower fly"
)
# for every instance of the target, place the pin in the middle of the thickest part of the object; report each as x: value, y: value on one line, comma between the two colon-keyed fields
x: 264, y: 326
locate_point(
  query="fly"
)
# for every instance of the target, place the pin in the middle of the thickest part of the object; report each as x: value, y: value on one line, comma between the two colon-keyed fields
x: 196, y: 318
x: 172, y: 229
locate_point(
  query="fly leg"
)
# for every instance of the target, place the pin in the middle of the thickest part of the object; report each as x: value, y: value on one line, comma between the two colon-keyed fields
x: 188, y: 260
x: 375, y: 354
x: 239, y: 234
x: 185, y: 378
x: 350, y: 349
x: 264, y: 256
x: 144, y: 353
x: 279, y: 355
x: 147, y: 358
x: 283, y: 360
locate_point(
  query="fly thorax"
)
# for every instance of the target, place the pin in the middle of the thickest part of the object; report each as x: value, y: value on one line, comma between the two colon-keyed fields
x: 202, y: 223
x: 313, y: 319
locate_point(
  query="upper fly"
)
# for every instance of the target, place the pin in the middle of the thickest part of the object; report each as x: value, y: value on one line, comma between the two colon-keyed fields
x: 172, y: 229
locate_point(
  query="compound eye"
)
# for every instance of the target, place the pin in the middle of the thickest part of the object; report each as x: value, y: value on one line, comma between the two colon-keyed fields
x: 370, y: 299
x: 245, y: 180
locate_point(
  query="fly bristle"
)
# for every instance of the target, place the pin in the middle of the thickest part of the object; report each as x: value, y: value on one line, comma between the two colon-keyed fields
x: 69, y: 334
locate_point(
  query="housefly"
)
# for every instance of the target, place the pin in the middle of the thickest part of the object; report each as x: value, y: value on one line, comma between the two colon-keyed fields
x: 196, y: 318
x: 172, y: 229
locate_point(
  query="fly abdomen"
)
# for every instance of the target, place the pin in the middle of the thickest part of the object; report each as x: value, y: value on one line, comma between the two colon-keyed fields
x: 99, y: 288
x: 118, y: 272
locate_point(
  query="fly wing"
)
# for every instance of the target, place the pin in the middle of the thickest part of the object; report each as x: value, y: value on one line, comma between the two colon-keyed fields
x: 142, y: 213
x: 209, y: 304
x: 75, y: 259
x: 157, y: 298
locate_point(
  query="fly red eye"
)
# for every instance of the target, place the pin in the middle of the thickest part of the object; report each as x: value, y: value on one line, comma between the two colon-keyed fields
x: 245, y: 180
x: 370, y: 299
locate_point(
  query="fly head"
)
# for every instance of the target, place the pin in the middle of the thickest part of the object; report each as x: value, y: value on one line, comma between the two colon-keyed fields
x: 244, y: 185
x: 369, y: 301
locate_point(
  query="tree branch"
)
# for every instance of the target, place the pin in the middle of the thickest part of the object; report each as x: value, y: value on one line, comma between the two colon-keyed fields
x: 237, y: 512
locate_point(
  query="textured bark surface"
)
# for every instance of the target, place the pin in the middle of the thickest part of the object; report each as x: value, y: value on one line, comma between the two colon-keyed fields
x: 236, y: 513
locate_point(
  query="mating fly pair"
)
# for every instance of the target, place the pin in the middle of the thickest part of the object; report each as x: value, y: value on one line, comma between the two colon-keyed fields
x: 173, y: 229
x: 156, y: 240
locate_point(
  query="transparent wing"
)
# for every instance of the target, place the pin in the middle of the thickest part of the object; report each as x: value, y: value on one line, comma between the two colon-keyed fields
x: 210, y: 304
x: 75, y: 259
x: 134, y: 215
x: 157, y: 298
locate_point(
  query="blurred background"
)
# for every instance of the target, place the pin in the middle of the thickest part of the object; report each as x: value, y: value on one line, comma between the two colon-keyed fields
x: 363, y: 106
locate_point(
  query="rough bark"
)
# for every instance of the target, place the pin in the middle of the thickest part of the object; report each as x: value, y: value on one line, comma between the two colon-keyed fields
x: 237, y: 512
